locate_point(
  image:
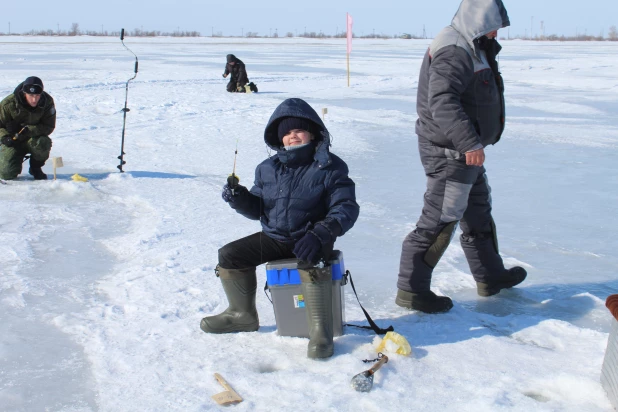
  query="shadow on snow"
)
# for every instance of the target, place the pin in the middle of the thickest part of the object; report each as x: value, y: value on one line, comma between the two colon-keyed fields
x: 501, y: 315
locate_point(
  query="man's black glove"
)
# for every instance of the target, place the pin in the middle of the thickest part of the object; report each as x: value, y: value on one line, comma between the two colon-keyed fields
x: 24, y: 134
x: 12, y: 127
x: 8, y: 141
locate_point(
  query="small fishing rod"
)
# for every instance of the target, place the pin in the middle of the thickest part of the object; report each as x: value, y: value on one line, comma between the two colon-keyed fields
x: 126, y: 109
x: 233, y: 180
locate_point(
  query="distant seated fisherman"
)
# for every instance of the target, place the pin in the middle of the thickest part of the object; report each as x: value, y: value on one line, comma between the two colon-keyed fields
x: 27, y: 118
x: 236, y: 68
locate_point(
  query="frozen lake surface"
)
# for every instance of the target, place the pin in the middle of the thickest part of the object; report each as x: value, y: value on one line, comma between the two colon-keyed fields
x: 103, y: 283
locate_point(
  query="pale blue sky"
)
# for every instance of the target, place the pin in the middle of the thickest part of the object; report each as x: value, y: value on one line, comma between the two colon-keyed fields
x: 264, y: 17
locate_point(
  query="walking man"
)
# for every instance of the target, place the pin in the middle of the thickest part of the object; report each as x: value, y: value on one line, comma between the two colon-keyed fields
x: 460, y: 105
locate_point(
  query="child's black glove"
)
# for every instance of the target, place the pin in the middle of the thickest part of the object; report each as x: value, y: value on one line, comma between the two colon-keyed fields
x: 231, y: 194
x: 308, y: 248
x: 227, y: 193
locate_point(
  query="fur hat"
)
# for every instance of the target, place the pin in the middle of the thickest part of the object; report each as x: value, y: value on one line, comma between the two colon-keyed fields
x: 33, y: 85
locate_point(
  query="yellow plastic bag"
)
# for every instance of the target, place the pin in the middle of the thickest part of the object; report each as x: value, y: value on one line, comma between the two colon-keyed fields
x: 78, y: 178
x: 394, y: 342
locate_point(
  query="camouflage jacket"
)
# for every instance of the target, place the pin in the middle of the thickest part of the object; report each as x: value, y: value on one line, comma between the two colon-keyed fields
x: 41, y: 120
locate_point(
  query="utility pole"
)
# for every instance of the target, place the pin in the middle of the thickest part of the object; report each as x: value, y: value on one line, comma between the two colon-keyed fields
x: 101, y: 29
x: 58, y: 24
x: 212, y: 31
x: 9, y: 28
x: 270, y: 32
x: 424, y: 32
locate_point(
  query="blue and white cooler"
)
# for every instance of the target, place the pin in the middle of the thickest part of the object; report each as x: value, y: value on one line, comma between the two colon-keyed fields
x: 284, y: 284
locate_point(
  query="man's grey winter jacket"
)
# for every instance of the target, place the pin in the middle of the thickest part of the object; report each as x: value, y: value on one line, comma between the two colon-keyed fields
x: 460, y: 100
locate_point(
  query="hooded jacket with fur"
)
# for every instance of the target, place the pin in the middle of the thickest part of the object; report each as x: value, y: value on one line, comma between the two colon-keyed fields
x: 460, y: 99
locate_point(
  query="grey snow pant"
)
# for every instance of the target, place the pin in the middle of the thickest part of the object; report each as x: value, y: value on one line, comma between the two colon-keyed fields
x: 455, y: 193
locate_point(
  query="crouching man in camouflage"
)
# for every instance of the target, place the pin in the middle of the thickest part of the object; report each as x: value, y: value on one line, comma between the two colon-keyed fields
x: 27, y: 118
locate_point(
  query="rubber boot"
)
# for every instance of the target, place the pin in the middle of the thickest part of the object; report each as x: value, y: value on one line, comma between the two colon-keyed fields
x: 317, y: 289
x: 427, y: 302
x: 35, y: 169
x: 513, y: 276
x: 240, y: 286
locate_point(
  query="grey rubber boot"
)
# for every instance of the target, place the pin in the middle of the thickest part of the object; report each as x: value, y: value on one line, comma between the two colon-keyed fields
x: 427, y: 302
x: 240, y: 286
x: 512, y: 277
x: 317, y: 288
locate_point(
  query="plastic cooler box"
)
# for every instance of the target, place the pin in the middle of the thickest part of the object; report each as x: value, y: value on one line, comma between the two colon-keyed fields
x: 284, y: 285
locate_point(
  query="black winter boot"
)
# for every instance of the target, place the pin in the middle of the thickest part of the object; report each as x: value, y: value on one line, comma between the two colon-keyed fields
x: 35, y: 169
x: 240, y: 286
x: 513, y: 276
x: 427, y: 302
x: 317, y: 288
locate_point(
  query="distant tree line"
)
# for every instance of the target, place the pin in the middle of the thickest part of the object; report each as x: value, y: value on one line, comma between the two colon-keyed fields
x: 612, y: 34
x: 343, y: 35
x: 75, y: 31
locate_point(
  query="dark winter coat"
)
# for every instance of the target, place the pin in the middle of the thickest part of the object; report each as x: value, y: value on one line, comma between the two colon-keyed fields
x: 460, y: 100
x: 41, y: 120
x: 295, y: 189
x: 236, y: 70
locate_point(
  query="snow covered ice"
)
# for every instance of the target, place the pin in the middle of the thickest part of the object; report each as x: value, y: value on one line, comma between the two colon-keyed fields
x: 103, y: 284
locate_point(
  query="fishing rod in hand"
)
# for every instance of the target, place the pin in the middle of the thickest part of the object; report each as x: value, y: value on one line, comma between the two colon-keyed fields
x: 233, y: 180
x: 125, y: 109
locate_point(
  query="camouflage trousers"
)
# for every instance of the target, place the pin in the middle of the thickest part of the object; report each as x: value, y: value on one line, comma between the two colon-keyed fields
x: 12, y: 158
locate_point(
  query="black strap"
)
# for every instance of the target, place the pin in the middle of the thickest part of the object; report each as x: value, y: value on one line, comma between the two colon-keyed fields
x: 372, y: 324
x: 265, y: 289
